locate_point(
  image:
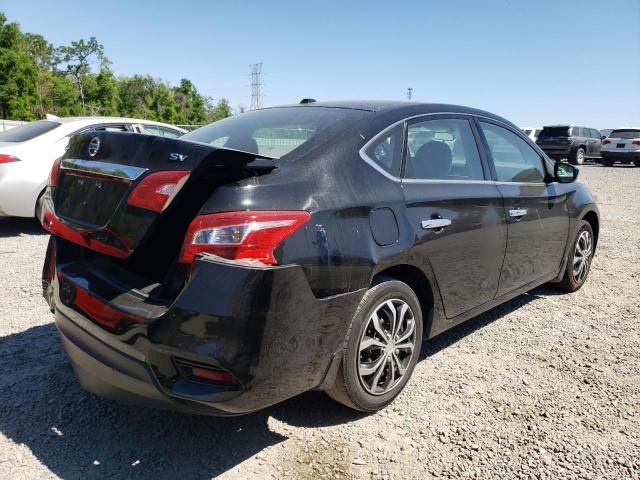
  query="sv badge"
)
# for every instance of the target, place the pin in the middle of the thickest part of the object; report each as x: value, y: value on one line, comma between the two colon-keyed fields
x: 177, y: 157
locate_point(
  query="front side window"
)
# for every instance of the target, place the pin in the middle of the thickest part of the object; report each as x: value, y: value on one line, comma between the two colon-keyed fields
x: 442, y: 149
x: 386, y: 152
x: 576, y: 132
x: 513, y: 158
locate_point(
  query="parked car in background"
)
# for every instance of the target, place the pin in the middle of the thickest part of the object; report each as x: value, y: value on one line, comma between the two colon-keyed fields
x: 28, y: 151
x: 621, y: 146
x: 604, y: 133
x: 532, y: 132
x: 297, y: 248
x: 573, y: 143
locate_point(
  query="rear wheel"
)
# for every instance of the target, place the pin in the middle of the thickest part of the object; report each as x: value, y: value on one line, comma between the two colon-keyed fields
x: 580, y: 257
x: 578, y: 158
x: 381, y: 348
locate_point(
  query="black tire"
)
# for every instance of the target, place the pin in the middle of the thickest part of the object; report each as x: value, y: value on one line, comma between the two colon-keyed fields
x: 578, y: 158
x: 570, y: 282
x: 637, y: 163
x: 348, y: 388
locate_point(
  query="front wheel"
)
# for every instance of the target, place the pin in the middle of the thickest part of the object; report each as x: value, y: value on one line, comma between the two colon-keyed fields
x: 381, y: 348
x: 579, y: 262
x: 578, y: 158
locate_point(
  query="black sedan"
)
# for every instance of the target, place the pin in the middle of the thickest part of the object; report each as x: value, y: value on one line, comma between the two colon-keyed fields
x: 301, y: 247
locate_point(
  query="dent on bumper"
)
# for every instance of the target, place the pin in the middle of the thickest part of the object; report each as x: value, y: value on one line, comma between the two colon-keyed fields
x: 262, y: 324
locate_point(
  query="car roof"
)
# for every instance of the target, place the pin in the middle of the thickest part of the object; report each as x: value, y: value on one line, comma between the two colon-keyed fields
x: 397, y: 106
x: 567, y: 125
x: 92, y: 120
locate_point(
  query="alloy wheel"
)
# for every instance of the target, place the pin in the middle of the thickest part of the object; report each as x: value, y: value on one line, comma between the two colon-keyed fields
x: 582, y: 256
x: 386, y: 346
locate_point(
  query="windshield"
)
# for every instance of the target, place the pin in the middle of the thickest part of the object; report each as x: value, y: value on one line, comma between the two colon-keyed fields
x: 28, y: 131
x: 276, y: 132
x: 550, y: 132
x: 626, y: 134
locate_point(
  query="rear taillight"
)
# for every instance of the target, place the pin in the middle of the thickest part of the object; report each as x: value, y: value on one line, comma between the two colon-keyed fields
x: 241, y: 235
x: 8, y: 159
x: 156, y: 191
x: 606, y: 142
x: 635, y: 142
x: 54, y: 174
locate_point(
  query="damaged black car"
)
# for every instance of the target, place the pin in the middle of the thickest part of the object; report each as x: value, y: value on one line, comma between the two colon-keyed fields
x: 287, y: 249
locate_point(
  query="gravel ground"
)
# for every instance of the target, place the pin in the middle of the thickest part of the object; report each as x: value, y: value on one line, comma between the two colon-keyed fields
x: 545, y: 386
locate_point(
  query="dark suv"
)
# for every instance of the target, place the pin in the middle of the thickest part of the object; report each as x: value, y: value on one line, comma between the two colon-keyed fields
x: 571, y: 142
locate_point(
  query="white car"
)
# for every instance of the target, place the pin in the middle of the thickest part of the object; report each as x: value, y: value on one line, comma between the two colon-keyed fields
x: 532, y: 132
x: 622, y: 145
x: 27, y: 154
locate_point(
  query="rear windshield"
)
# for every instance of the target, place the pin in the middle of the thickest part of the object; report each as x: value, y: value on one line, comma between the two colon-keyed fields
x: 549, y: 132
x: 276, y: 132
x: 627, y: 133
x: 28, y: 131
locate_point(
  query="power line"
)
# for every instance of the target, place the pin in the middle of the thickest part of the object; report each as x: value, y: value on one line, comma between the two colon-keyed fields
x: 256, y: 84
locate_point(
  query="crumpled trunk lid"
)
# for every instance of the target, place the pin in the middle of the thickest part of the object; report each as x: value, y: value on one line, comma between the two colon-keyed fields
x: 90, y: 204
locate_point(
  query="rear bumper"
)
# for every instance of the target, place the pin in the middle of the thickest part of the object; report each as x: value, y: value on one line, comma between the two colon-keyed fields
x: 557, y: 151
x: 620, y: 156
x: 262, y: 325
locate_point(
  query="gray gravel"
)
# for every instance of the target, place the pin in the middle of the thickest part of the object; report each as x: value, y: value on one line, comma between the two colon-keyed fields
x: 545, y: 386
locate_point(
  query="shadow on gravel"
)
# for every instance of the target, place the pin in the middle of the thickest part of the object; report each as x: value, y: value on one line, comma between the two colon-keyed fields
x: 68, y: 430
x: 78, y: 435
x: 444, y: 340
x: 13, y: 227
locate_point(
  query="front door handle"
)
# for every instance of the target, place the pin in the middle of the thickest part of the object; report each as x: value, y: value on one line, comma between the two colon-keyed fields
x: 436, y: 223
x: 517, y: 212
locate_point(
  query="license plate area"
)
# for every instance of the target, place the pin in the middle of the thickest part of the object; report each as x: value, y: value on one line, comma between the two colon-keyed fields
x: 89, y: 199
x: 620, y: 145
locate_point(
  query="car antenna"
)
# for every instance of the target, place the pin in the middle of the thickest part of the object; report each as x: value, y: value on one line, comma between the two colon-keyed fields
x: 304, y: 101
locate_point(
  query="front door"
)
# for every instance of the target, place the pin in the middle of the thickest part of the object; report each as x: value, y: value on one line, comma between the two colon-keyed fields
x: 535, y: 211
x: 455, y: 210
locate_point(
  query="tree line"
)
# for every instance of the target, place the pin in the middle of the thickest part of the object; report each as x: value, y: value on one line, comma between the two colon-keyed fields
x: 37, y: 78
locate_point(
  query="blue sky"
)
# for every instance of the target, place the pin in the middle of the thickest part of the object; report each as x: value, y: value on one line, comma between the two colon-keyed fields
x: 534, y: 62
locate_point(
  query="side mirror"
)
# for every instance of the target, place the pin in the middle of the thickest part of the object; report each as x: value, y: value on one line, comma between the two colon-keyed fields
x: 565, y: 172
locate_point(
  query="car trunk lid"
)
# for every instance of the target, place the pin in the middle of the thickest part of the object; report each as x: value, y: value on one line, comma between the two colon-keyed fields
x: 101, y: 173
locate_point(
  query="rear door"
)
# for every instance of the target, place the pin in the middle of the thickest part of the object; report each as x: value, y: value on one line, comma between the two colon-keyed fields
x: 535, y: 211
x: 455, y: 209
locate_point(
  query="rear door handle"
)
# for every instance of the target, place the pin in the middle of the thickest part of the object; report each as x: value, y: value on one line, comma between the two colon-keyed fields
x: 517, y: 212
x: 436, y: 223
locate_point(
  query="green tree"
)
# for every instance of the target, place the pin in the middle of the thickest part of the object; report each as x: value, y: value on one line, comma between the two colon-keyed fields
x: 18, y: 74
x: 76, y: 59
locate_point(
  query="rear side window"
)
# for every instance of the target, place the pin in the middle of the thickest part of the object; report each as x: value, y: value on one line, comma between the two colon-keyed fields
x: 513, y: 158
x: 386, y: 152
x: 442, y: 149
x: 626, y: 134
x: 28, y: 131
x: 576, y: 132
x: 160, y: 131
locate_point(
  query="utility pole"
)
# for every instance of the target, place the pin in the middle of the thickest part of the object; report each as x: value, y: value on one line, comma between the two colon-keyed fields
x: 409, y: 92
x: 256, y: 84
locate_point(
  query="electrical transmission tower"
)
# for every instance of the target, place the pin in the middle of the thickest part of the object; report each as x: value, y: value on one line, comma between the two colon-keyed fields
x: 409, y: 93
x: 256, y: 84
